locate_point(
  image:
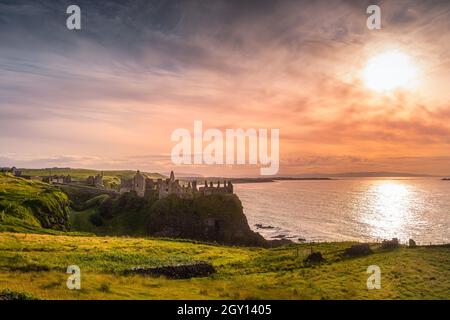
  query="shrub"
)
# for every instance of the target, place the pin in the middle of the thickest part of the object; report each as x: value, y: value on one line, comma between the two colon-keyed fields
x: 96, y: 220
x: 105, y: 287
x: 315, y: 257
x: 358, y: 250
x: 106, y: 209
x: 14, y: 295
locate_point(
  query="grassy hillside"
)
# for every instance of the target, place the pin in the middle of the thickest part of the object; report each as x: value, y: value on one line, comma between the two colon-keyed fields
x: 110, y: 177
x: 117, y: 216
x: 82, y: 196
x: 36, y: 265
x: 84, y: 173
x: 31, y: 206
x: 129, y: 223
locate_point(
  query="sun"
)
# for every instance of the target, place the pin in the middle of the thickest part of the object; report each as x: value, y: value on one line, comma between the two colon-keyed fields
x: 389, y: 71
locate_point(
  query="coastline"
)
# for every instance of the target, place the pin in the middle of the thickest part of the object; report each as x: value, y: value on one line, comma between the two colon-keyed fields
x: 265, y: 180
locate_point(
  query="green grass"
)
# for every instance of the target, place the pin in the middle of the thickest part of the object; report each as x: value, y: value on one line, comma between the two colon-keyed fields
x: 36, y: 265
x: 109, y: 176
x: 95, y: 201
x: 127, y: 219
x: 84, y: 173
x: 31, y: 205
x: 132, y: 223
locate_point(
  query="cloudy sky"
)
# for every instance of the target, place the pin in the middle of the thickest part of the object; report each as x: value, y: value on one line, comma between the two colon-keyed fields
x: 110, y: 94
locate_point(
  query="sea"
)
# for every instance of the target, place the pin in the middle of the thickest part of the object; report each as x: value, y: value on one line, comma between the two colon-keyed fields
x: 354, y: 209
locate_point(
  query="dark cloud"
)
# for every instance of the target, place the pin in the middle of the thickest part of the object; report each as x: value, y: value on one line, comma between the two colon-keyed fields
x: 235, y: 63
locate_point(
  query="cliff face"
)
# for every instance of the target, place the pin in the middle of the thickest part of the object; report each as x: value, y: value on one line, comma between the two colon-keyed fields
x: 215, y: 218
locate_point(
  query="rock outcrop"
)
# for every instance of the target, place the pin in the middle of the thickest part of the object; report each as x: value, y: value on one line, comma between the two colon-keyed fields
x: 181, y: 271
x: 214, y: 218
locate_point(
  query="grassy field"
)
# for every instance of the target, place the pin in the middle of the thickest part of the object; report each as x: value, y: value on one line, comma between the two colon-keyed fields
x: 84, y: 173
x: 36, y: 264
x: 110, y: 177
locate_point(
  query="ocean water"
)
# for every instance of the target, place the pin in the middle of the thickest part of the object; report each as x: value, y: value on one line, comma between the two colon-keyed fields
x: 363, y: 209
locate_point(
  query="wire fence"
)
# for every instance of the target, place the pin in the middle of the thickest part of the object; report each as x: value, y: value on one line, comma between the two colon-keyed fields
x: 379, y: 241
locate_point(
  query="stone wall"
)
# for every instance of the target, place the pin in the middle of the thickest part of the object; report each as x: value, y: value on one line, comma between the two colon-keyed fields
x: 164, y: 187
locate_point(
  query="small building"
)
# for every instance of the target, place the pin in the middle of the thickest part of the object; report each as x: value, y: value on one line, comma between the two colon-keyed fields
x: 61, y: 179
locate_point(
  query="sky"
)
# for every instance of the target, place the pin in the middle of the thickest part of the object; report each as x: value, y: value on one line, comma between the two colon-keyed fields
x: 109, y: 96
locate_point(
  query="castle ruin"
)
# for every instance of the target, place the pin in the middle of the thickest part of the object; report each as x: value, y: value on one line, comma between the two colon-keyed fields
x: 95, y: 181
x: 143, y: 185
x: 61, y: 179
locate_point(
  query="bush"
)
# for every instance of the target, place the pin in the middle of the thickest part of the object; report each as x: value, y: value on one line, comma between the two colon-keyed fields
x: 105, y: 287
x: 96, y: 220
x: 358, y: 250
x: 315, y: 257
x: 13, y: 295
x: 106, y: 209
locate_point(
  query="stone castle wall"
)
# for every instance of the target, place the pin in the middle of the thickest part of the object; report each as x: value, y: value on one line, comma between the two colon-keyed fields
x: 165, y: 187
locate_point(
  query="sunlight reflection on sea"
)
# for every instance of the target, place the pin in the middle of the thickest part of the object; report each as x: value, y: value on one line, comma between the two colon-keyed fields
x: 350, y: 209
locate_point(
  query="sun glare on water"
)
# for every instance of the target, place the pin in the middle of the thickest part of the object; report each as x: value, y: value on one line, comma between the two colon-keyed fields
x: 389, y: 71
x: 391, y: 206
